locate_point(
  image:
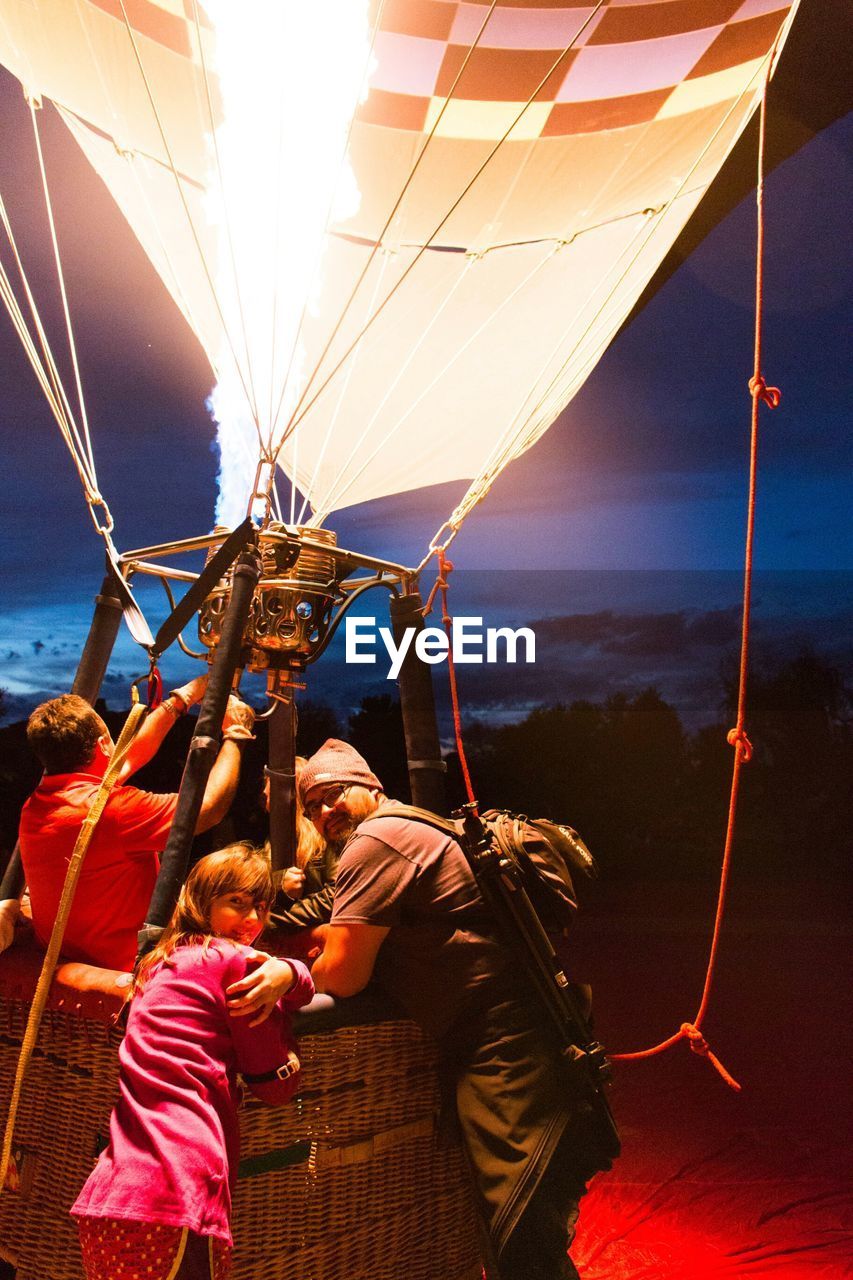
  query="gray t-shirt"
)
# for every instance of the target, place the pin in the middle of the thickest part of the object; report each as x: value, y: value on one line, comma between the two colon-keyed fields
x: 441, y: 961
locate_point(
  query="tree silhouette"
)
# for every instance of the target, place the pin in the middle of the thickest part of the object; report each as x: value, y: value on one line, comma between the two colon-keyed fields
x: 315, y: 722
x: 650, y: 800
x: 799, y: 798
x: 376, y: 730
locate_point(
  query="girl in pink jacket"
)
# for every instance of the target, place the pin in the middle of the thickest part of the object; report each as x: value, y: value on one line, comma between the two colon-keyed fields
x: 158, y: 1202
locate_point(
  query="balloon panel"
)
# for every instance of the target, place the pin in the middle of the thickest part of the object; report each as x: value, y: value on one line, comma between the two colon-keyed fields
x: 81, y: 55
x: 544, y: 221
x: 471, y: 351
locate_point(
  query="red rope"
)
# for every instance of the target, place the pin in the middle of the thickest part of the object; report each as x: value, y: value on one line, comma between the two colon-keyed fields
x: 445, y: 568
x: 771, y: 396
x: 737, y: 738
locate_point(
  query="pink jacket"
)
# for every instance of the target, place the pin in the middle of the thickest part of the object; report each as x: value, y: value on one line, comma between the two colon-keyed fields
x: 174, y: 1138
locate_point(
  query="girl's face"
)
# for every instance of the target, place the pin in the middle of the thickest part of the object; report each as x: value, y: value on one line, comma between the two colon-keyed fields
x: 237, y: 916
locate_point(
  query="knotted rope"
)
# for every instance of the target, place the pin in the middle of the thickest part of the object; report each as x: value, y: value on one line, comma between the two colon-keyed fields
x: 760, y: 392
x: 736, y: 737
x: 445, y: 568
x: 698, y: 1044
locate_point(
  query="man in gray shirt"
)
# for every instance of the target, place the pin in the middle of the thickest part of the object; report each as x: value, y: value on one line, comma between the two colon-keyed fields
x: 408, y: 913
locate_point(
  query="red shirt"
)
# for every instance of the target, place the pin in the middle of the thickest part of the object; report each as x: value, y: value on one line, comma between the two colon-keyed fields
x: 118, y: 872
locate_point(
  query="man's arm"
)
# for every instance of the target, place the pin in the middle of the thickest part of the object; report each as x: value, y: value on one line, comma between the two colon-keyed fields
x: 348, y: 958
x: 343, y: 969
x: 221, y: 786
x: 157, y: 723
x: 225, y: 774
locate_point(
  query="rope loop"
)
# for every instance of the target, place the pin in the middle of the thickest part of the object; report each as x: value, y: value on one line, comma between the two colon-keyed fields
x: 737, y: 738
x: 436, y: 547
x: 95, y: 500
x: 693, y: 1036
x: 698, y: 1044
x: 445, y: 568
x: 759, y: 390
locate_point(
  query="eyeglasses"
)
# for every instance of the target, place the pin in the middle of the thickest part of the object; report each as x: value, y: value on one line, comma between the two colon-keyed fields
x: 327, y: 800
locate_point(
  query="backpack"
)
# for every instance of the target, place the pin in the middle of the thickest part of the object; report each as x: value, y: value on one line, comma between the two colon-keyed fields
x: 547, y: 852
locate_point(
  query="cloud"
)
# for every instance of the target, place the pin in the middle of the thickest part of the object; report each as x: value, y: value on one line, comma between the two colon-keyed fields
x: 597, y: 634
x: 642, y: 635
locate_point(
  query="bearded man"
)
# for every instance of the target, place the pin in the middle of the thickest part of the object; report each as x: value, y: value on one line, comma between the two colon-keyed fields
x: 407, y: 912
x: 75, y: 747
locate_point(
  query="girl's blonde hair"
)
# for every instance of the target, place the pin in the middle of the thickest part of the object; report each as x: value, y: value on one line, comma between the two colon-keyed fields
x: 238, y: 868
x: 309, y: 842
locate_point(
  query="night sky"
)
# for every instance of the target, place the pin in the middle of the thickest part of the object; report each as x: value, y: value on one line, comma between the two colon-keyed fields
x: 645, y: 470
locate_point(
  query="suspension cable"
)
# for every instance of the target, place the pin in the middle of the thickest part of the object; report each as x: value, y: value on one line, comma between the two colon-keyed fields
x: 63, y: 406
x: 69, y: 328
x: 300, y: 413
x: 45, y: 369
x: 47, y: 373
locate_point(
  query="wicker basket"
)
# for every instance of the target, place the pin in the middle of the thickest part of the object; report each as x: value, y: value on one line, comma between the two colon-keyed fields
x: 347, y: 1182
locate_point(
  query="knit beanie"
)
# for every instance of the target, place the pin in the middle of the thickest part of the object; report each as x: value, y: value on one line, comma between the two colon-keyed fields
x: 336, y: 761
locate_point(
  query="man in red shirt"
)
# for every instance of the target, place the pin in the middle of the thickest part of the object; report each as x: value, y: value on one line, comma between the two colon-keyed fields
x: 120, y: 868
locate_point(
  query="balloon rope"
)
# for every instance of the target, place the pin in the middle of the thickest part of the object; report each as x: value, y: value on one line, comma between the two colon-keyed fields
x: 69, y: 328
x: 445, y: 568
x: 44, y: 367
x: 193, y: 231
x: 736, y: 737
x: 300, y: 412
x: 49, y: 379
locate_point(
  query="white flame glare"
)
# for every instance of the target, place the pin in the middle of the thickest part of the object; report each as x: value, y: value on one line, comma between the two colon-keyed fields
x: 290, y: 77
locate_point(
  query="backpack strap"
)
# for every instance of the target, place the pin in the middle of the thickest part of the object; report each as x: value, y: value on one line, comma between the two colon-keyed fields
x: 416, y: 815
